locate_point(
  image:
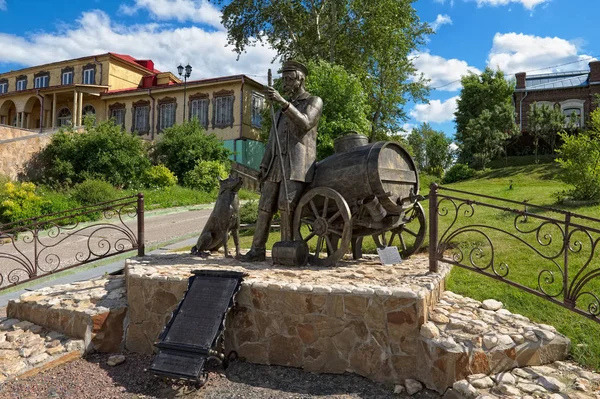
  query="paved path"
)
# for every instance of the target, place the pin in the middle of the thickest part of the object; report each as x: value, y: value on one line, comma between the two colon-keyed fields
x: 164, y: 230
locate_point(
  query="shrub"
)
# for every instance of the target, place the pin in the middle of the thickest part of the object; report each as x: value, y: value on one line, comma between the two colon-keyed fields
x: 205, y: 175
x: 458, y: 172
x: 102, y: 152
x: 579, y: 158
x: 19, y: 201
x: 249, y: 212
x: 182, y: 146
x: 158, y: 176
x: 94, y: 191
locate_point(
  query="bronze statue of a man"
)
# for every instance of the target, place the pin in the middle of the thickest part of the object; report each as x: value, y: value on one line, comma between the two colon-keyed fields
x: 296, y: 123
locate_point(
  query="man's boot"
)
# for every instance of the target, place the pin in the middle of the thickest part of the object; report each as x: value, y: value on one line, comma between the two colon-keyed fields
x: 261, y: 235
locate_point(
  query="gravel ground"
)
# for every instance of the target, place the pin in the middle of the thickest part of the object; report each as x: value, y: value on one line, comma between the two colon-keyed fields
x: 92, y: 378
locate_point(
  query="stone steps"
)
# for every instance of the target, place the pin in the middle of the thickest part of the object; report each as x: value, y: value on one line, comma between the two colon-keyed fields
x: 465, y: 337
x: 93, y: 311
x: 557, y: 380
x: 27, y: 349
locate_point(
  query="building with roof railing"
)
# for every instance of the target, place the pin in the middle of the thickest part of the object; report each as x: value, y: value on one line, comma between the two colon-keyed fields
x: 140, y: 98
x: 574, y: 92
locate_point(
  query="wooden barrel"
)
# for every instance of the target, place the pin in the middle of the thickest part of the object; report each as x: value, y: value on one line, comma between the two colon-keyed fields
x: 383, y: 169
x: 349, y: 142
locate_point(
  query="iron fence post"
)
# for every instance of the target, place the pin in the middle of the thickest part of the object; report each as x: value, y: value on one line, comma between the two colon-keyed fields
x: 433, y: 228
x: 566, y: 295
x: 140, y: 224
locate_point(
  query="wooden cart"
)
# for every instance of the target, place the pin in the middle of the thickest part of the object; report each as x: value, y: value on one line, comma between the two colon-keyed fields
x: 364, y: 189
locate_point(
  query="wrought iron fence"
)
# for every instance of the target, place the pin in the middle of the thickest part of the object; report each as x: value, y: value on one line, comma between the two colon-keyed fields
x: 545, y: 251
x: 35, y: 247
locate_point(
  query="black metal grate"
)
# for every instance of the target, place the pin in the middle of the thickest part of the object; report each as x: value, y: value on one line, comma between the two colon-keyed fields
x: 196, y: 324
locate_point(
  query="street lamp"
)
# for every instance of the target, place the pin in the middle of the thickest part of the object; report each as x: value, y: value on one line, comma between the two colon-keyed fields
x: 188, y: 72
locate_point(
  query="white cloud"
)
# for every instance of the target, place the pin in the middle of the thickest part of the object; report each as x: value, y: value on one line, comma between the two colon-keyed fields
x: 199, y: 11
x: 2, y: 5
x: 517, y: 52
x: 95, y: 33
x: 436, y: 111
x: 407, y: 129
x: 528, y: 4
x: 441, y: 71
x: 451, y: 2
x: 440, y: 20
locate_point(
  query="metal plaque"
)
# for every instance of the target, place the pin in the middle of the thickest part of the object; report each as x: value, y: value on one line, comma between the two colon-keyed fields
x: 389, y: 255
x: 196, y: 324
x: 201, y: 313
x: 178, y: 364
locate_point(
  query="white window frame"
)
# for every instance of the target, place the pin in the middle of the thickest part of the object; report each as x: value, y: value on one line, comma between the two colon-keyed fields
x: 89, y: 76
x: 578, y: 104
x: 21, y: 84
x: 69, y: 80
x: 167, y: 115
x: 118, y: 114
x: 3, y: 87
x: 41, y: 82
x: 199, y: 110
x: 258, y: 104
x: 64, y: 120
x: 223, y: 113
x: 141, y: 118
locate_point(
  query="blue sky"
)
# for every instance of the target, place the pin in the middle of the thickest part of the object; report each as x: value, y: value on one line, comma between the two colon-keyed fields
x: 514, y: 35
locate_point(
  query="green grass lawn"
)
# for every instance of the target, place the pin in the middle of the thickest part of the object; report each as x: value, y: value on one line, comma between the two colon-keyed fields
x: 536, y: 184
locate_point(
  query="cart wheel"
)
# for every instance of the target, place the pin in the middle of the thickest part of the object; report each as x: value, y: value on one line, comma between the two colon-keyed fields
x: 327, y: 216
x: 409, y: 236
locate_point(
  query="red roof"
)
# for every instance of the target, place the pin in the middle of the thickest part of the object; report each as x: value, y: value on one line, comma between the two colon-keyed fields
x: 131, y: 60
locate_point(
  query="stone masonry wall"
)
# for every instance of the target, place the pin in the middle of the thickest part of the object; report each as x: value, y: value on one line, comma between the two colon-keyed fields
x: 17, y: 147
x: 355, y: 327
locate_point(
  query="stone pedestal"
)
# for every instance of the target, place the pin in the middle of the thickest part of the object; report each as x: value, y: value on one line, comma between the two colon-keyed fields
x: 362, y: 318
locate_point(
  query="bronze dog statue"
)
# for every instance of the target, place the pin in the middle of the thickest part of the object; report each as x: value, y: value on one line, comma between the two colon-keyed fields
x: 224, y: 219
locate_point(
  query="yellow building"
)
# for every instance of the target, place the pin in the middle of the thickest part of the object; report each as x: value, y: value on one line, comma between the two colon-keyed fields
x: 137, y: 96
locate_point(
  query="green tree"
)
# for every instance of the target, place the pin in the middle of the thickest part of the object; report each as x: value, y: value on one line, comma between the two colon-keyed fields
x: 102, y: 152
x: 486, y: 134
x: 579, y: 158
x: 432, y: 151
x: 369, y: 38
x: 546, y: 122
x: 182, y: 146
x: 490, y: 92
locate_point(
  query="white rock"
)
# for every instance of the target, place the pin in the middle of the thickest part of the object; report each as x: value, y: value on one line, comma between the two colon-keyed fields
x: 465, y: 388
x: 429, y: 330
x: 545, y: 334
x: 448, y: 343
x: 505, y: 340
x: 547, y: 327
x: 503, y: 312
x: 492, y: 304
x: 398, y: 389
x: 518, y: 338
x: 531, y: 388
x: 508, y: 390
x: 530, y: 336
x: 505, y: 378
x: 551, y: 383
x: 412, y: 386
x: 483, y: 383
x: 490, y: 341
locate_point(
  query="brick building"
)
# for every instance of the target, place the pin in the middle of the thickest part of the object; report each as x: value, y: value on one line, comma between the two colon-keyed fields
x: 573, y: 91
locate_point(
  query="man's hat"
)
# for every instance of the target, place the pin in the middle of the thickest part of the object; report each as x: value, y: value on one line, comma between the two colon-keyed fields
x: 291, y: 65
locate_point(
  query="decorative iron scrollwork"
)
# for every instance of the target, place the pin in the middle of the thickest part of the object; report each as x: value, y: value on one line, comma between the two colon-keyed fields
x: 48, y: 244
x: 556, y: 242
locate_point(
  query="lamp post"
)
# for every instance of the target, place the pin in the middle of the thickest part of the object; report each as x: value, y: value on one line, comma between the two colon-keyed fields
x: 188, y: 72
